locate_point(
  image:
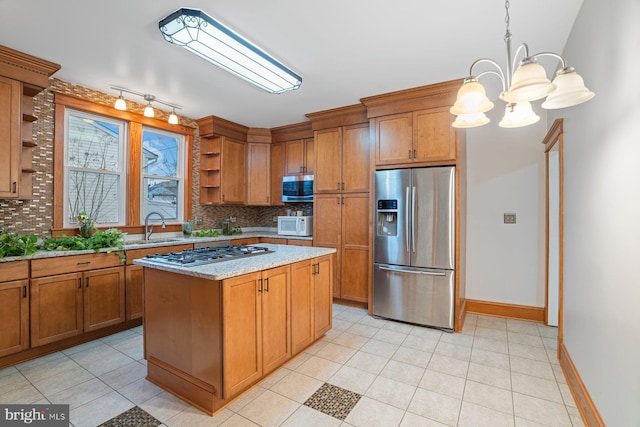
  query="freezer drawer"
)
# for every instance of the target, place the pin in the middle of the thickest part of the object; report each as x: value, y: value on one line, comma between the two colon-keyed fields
x: 415, y: 295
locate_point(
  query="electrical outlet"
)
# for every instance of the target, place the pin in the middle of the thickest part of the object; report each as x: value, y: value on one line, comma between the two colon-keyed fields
x: 274, y: 219
x: 509, y: 218
x: 232, y: 219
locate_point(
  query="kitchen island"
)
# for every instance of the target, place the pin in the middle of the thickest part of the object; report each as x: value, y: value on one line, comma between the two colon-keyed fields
x: 211, y: 331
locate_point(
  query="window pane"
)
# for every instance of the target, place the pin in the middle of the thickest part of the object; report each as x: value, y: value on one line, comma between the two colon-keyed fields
x: 95, y: 193
x: 159, y: 154
x: 92, y: 144
x: 161, y: 195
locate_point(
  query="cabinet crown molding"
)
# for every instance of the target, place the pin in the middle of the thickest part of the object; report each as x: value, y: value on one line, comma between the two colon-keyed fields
x: 291, y: 132
x: 26, y: 68
x: 343, y: 116
x: 213, y: 126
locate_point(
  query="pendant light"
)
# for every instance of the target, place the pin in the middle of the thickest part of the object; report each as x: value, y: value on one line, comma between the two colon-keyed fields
x: 121, y: 104
x: 148, y: 110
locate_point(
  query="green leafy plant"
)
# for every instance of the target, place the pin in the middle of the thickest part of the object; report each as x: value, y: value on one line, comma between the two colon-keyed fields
x: 207, y: 232
x: 87, y: 225
x: 236, y: 230
x: 17, y: 244
x: 112, y: 239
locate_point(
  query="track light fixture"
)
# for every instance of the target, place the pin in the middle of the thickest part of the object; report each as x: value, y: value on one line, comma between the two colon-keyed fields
x: 121, y: 105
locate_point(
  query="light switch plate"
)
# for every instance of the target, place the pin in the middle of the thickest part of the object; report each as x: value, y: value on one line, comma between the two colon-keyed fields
x: 509, y: 218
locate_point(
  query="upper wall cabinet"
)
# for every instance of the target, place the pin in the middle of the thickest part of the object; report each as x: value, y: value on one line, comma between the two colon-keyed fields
x: 298, y: 148
x: 21, y: 78
x: 414, y: 126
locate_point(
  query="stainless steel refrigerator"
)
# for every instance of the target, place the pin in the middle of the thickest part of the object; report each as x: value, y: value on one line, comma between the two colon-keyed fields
x: 414, y: 246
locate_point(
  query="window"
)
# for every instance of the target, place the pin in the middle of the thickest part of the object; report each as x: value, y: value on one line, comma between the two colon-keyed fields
x: 162, y: 172
x: 94, y: 168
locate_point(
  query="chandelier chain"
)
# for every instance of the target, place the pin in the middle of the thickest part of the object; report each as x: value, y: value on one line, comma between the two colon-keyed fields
x: 506, y: 17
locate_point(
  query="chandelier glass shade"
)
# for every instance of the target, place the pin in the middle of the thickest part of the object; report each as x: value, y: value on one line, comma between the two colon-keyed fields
x: 529, y: 82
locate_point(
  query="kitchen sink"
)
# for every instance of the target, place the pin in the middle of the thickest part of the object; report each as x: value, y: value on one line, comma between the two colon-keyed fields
x: 151, y: 241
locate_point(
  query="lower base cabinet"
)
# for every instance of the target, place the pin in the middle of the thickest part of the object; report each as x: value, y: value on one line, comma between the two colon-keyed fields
x: 14, y: 316
x: 133, y: 292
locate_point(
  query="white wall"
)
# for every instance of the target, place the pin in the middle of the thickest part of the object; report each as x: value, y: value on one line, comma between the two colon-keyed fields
x: 506, y: 174
x: 602, y: 209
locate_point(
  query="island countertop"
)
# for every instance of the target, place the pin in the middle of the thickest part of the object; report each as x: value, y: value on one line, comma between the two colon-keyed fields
x: 281, y: 255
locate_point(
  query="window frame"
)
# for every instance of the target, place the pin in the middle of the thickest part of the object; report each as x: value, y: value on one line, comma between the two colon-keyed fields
x: 135, y: 122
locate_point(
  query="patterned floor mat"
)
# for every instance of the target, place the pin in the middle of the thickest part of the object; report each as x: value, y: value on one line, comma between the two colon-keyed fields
x: 333, y: 400
x: 134, y: 417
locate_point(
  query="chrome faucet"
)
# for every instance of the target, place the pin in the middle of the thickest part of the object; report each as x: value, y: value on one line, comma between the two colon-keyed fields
x: 148, y: 232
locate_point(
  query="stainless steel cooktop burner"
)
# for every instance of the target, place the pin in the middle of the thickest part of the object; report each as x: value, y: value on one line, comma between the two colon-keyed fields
x: 207, y: 255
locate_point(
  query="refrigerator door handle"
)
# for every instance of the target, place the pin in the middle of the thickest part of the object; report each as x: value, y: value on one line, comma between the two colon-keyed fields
x: 401, y: 270
x: 406, y: 219
x: 413, y: 219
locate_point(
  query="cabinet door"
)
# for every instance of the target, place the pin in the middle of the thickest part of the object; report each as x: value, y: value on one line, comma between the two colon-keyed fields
x: 309, y: 156
x: 233, y: 170
x: 277, y: 172
x: 326, y: 229
x: 14, y: 317
x: 258, y: 174
x: 355, y: 247
x: 103, y: 298
x: 433, y: 136
x: 295, y: 154
x: 302, y: 304
x: 242, y: 325
x: 394, y: 139
x: 276, y: 332
x: 328, y: 177
x: 10, y: 144
x: 134, y: 282
x: 322, y: 301
x: 56, y: 308
x: 355, y: 151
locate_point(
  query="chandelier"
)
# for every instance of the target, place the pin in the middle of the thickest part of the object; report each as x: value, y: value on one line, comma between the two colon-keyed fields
x: 528, y: 83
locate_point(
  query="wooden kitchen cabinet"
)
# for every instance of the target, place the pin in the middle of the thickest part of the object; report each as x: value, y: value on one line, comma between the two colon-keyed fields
x: 277, y: 172
x: 299, y: 157
x: 256, y: 328
x: 104, y: 298
x: 342, y: 159
x: 322, y: 295
x: 14, y: 307
x: 258, y: 174
x: 222, y: 171
x: 339, y: 222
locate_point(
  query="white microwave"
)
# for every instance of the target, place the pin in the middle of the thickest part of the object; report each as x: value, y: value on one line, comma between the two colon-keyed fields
x: 295, y: 225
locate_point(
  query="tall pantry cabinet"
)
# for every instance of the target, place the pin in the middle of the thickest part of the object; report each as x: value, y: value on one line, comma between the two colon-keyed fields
x: 342, y: 197
x: 22, y: 77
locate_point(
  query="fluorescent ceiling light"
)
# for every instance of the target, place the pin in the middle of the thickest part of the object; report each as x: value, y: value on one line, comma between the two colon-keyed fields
x: 209, y: 39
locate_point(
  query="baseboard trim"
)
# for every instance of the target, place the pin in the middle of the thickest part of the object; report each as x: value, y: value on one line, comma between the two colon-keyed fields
x: 590, y: 415
x: 512, y: 311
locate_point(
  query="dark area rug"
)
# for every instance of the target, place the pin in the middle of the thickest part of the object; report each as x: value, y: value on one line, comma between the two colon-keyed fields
x: 134, y: 417
x: 333, y: 400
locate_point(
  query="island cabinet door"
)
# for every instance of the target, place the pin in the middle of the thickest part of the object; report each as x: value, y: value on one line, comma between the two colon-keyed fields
x: 322, y: 298
x: 242, y: 332
x: 276, y: 345
x: 301, y: 306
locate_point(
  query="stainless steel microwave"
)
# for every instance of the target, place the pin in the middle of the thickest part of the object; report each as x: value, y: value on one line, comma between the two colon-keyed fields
x: 297, y: 188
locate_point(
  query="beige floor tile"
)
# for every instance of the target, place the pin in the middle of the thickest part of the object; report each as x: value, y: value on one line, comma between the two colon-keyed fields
x: 443, y: 383
x: 340, y: 325
x: 99, y: 361
x: 458, y: 339
x: 435, y: 406
x: 472, y: 415
x: 26, y: 394
x: 391, y: 392
x: 57, y: 366
x: 140, y: 391
x: 551, y: 343
x: 490, y: 358
x: 453, y: 350
x: 246, y: 398
x: 379, y: 348
x: 164, y: 406
x: 82, y: 393
x: 495, y: 398
x: 413, y: 420
x: 348, y: 339
x: 541, y: 411
x: 305, y: 416
x: 318, y: 368
x: 9, y: 370
x: 297, y: 361
x: 373, y: 321
x: 331, y: 335
x: 99, y: 410
x: 369, y: 412
x: 114, y: 339
x: 420, y: 343
x: 448, y: 365
x: 274, y: 377
x: 424, y: 332
x: 238, y: 421
x: 41, y: 360
x: 13, y: 381
x: 469, y: 329
x: 398, y: 327
x: 352, y: 379
x: 521, y: 422
x: 489, y: 375
x: 576, y: 418
x: 132, y: 346
x: 363, y: 330
x: 548, y: 331
x: 528, y: 352
x: 56, y: 383
x: 192, y: 417
x: 536, y: 387
x: 316, y: 347
x: 532, y: 367
x: 336, y: 353
x: 553, y: 356
x: 269, y: 409
x: 389, y: 336
x: 524, y: 339
x: 297, y: 386
x: 491, y: 322
x: 350, y: 316
x: 367, y: 362
x: 490, y: 345
x: 567, y: 397
x: 558, y: 374
x: 412, y: 356
x: 523, y: 327
x: 494, y: 334
x: 125, y: 375
x: 403, y: 372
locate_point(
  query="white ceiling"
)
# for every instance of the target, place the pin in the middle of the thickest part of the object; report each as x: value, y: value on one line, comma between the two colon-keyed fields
x: 343, y: 49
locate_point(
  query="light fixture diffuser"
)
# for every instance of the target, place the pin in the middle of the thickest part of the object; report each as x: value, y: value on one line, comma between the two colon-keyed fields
x: 209, y: 39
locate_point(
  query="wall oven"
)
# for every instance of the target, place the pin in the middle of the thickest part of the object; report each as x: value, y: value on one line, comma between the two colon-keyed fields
x: 297, y: 189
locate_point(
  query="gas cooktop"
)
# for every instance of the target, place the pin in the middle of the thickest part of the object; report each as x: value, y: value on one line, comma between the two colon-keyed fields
x: 208, y: 255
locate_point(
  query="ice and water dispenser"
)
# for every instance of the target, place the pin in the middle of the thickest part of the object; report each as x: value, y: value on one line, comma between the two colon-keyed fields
x: 387, y: 221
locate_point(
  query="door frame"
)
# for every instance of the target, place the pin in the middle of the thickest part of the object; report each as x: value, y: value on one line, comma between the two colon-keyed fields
x: 555, y: 136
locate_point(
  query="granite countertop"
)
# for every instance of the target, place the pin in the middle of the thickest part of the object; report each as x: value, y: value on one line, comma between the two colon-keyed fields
x: 281, y: 255
x: 158, y: 240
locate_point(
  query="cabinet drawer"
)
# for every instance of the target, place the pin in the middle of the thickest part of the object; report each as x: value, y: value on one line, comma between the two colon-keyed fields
x: 72, y: 264
x: 142, y: 252
x: 14, y: 270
